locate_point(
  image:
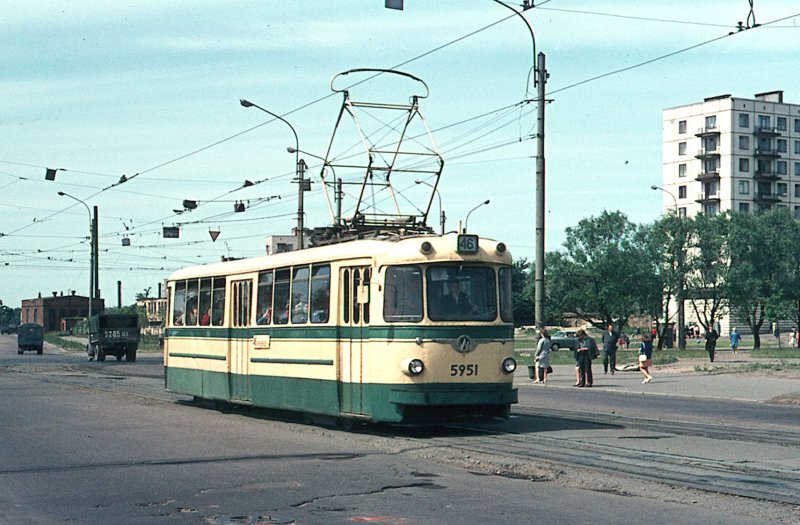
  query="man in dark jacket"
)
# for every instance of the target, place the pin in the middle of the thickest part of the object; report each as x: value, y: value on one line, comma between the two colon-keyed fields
x: 610, y: 339
x: 587, y: 350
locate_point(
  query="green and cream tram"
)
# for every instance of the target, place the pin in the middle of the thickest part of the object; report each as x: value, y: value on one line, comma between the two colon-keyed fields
x: 403, y: 330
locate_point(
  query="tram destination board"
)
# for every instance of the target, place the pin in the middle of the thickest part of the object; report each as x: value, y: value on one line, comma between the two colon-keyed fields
x: 467, y: 244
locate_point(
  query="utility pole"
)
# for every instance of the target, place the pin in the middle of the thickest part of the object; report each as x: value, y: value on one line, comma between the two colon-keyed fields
x: 95, y: 257
x: 541, y: 78
x: 301, y: 183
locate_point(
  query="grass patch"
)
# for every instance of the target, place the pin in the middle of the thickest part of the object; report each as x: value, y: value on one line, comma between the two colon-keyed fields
x: 148, y: 343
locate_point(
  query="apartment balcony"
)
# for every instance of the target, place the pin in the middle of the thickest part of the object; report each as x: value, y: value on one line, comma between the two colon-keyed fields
x: 766, y: 175
x: 766, y: 197
x: 707, y: 154
x: 707, y: 132
x: 769, y: 153
x: 708, y: 199
x: 704, y: 176
x: 762, y: 130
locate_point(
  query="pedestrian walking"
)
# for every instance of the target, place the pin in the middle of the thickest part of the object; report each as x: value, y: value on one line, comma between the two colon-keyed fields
x: 542, y: 356
x: 793, y: 338
x: 610, y: 338
x: 587, y: 350
x: 735, y: 340
x: 646, y: 357
x: 711, y: 342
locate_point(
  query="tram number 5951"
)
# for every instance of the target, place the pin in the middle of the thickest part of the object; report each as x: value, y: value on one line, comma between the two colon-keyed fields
x: 463, y: 370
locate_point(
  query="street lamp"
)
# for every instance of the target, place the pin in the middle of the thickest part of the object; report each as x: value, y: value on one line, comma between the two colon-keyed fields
x: 442, y: 216
x: 299, y: 168
x: 466, y: 222
x: 679, y: 292
x: 654, y: 188
x: 91, y: 250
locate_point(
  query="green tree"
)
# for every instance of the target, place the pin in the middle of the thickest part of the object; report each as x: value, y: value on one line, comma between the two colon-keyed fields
x: 604, y: 275
x: 708, y: 267
x: 760, y: 278
x: 522, y: 292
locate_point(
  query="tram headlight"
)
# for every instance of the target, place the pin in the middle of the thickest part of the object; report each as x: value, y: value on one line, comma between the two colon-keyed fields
x: 413, y: 367
x: 501, y: 247
x: 509, y: 365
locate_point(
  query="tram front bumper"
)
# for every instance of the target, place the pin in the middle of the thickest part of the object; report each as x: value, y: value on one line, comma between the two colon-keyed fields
x: 486, y: 395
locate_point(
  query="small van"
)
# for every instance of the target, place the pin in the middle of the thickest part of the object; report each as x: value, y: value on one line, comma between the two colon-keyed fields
x: 30, y: 336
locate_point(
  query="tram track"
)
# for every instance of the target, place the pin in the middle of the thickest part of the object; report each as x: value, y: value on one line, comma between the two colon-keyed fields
x: 749, y: 479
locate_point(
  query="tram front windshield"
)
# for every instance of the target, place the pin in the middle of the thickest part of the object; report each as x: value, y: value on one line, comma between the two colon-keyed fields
x: 461, y: 293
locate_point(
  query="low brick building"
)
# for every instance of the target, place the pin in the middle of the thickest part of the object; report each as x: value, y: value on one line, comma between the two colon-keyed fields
x: 50, y: 311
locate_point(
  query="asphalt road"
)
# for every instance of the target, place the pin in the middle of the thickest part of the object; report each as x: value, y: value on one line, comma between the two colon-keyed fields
x: 103, y: 443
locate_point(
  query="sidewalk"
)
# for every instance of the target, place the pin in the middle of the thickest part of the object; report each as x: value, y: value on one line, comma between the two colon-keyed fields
x: 681, y: 379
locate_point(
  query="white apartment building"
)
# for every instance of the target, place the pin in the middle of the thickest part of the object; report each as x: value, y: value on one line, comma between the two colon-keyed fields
x: 729, y: 153
x: 735, y: 154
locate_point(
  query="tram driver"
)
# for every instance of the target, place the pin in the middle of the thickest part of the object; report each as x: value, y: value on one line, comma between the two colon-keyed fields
x: 455, y: 301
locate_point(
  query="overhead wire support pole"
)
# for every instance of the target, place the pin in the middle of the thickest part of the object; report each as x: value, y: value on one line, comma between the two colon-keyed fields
x: 541, y: 73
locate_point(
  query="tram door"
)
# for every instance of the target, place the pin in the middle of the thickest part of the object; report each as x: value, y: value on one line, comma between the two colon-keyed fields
x: 239, y: 349
x: 354, y: 322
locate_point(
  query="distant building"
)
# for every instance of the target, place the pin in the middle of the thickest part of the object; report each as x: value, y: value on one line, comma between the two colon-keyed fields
x: 280, y: 244
x: 58, y: 312
x: 735, y: 154
x: 731, y: 154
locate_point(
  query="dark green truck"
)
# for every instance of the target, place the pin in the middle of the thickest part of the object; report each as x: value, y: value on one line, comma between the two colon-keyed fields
x: 113, y: 334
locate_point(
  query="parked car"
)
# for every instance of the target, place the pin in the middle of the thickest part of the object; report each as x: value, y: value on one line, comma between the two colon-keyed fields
x: 563, y: 339
x: 10, y: 329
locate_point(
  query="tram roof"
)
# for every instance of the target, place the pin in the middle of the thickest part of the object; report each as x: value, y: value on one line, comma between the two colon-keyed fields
x: 392, y: 250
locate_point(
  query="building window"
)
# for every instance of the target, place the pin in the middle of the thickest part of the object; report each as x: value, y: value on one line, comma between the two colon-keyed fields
x: 744, y: 187
x: 744, y: 120
x: 681, y: 192
x: 797, y: 125
x: 681, y: 148
x: 744, y: 142
x: 764, y: 167
x: 782, y: 188
x: 710, y: 144
x: 710, y: 165
x: 763, y: 121
x: 711, y: 122
x: 797, y: 190
x: 780, y: 144
x: 780, y: 167
x: 744, y: 165
x: 744, y: 207
x: 681, y: 126
x: 797, y: 147
x: 781, y: 123
x: 797, y: 168
x: 682, y: 211
x: 797, y: 212
x: 681, y: 170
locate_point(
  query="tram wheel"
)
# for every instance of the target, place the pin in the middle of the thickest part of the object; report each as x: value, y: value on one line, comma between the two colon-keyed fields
x: 100, y: 354
x: 119, y: 357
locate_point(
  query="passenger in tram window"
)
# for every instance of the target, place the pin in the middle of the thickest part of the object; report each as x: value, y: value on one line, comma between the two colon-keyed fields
x: 206, y: 319
x: 192, y: 319
x: 300, y: 312
x: 178, y: 319
x: 266, y: 316
x: 456, y: 301
x: 217, y: 312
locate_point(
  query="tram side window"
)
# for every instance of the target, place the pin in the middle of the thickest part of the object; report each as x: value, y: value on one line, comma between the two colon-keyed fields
x: 320, y: 294
x: 461, y: 293
x: 218, y: 301
x: 264, y: 308
x: 506, y: 306
x: 191, y: 316
x: 402, y: 299
x: 280, y: 307
x: 205, y: 301
x: 300, y: 295
x: 179, y: 303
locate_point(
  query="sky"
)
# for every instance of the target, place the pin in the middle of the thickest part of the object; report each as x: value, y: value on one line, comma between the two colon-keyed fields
x: 150, y: 90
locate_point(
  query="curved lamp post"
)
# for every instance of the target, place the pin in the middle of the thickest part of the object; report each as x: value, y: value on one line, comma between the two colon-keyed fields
x: 679, y: 292
x: 297, y: 166
x: 466, y: 222
x: 91, y: 251
x: 442, y: 216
